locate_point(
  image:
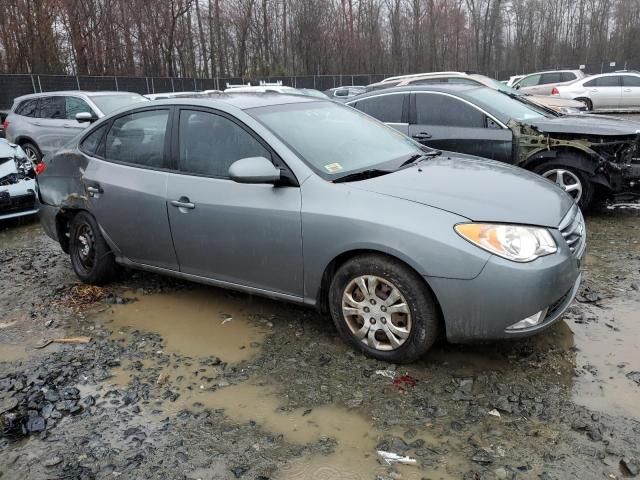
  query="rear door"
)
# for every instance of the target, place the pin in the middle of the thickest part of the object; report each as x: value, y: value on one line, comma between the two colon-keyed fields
x: 605, y: 92
x: 239, y: 234
x: 390, y: 108
x: 630, y: 91
x: 126, y: 182
x: 444, y: 121
x: 51, y: 123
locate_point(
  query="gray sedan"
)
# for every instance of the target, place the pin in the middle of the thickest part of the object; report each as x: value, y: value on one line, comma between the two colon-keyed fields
x: 316, y: 203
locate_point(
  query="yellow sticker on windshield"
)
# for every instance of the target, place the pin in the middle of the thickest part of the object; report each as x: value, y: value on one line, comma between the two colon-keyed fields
x: 333, y: 167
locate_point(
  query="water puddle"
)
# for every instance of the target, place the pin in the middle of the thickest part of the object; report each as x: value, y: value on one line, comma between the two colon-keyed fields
x: 201, y: 322
x: 607, y: 354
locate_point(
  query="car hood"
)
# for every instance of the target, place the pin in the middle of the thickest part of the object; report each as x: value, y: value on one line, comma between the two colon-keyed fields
x: 479, y: 189
x: 588, y: 124
x: 555, y: 101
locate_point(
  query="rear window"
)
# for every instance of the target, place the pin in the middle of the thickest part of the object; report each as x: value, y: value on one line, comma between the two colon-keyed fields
x: 110, y: 103
x: 567, y: 76
x: 28, y: 108
x: 553, y: 77
x: 92, y: 143
x: 386, y: 108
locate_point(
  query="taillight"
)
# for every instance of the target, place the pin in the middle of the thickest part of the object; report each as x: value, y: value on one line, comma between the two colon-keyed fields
x: 40, y: 167
x: 5, y: 124
x: 555, y: 91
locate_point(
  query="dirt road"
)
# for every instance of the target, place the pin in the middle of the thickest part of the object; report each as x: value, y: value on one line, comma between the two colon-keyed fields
x: 182, y: 381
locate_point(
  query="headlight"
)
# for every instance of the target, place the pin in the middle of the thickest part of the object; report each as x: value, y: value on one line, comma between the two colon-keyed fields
x: 513, y: 242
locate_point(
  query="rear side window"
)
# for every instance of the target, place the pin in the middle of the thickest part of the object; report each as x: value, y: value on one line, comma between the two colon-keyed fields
x: 210, y: 143
x: 28, y: 108
x: 554, y: 77
x: 74, y: 105
x: 138, y: 138
x: 630, y: 81
x: 53, y: 108
x: 611, y: 81
x: 446, y: 111
x: 92, y: 144
x: 567, y: 76
x: 386, y: 108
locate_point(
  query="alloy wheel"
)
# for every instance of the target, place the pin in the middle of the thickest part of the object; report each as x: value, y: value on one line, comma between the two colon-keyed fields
x: 31, y: 155
x: 567, y: 180
x: 376, y: 312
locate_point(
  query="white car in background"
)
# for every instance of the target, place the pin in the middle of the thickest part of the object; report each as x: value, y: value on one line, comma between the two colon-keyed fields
x: 618, y: 90
x: 541, y: 83
x: 17, y: 182
x: 513, y: 79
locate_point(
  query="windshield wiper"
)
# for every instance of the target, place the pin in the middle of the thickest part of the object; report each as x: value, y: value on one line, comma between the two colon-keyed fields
x: 363, y: 175
x: 420, y: 156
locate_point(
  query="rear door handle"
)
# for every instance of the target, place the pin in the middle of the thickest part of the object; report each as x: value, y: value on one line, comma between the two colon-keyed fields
x: 183, y: 202
x: 627, y: 89
x: 422, y: 136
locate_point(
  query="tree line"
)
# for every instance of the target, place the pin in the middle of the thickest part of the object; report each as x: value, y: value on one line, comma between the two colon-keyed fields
x: 209, y: 38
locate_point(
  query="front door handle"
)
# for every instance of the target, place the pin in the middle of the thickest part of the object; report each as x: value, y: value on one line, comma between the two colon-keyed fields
x: 183, y: 202
x: 627, y: 89
x: 422, y: 136
x: 94, y: 190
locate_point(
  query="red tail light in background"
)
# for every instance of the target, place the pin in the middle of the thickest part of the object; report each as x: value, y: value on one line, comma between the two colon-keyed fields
x: 40, y: 167
x: 5, y: 124
x: 555, y: 91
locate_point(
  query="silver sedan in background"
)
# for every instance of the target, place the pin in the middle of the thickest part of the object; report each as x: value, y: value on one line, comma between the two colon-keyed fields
x: 619, y: 90
x: 313, y: 202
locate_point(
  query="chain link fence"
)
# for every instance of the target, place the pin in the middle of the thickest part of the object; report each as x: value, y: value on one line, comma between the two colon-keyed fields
x: 15, y: 85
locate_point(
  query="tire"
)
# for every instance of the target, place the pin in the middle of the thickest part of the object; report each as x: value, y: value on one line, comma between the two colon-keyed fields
x: 587, y: 102
x: 32, y: 151
x: 91, y: 258
x: 559, y: 169
x: 419, y: 326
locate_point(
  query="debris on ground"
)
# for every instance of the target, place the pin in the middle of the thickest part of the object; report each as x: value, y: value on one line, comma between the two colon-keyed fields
x: 404, y: 382
x: 82, y: 296
x: 69, y: 340
x: 390, y: 458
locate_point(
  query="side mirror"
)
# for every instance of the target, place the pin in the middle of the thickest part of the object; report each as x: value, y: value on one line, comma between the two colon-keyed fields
x: 84, y: 117
x: 254, y: 170
x: 517, y: 87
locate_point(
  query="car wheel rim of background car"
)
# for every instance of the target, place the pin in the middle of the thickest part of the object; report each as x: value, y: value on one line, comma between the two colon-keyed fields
x: 86, y: 247
x: 567, y: 180
x: 376, y: 312
x: 31, y: 155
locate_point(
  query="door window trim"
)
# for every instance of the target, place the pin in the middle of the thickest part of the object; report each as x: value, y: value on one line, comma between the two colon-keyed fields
x: 413, y: 117
x: 277, y: 161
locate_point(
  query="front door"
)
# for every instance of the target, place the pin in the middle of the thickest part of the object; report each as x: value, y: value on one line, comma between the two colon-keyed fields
x: 127, y: 188
x: 446, y: 122
x: 241, y: 234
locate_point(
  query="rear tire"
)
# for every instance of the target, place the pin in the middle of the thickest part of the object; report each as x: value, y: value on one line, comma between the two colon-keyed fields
x: 392, y: 317
x: 587, y: 102
x: 91, y: 258
x: 32, y: 151
x: 572, y: 180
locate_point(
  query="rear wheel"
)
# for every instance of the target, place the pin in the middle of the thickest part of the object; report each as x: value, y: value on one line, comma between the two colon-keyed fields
x: 32, y: 152
x: 91, y: 257
x: 572, y: 180
x: 383, y: 308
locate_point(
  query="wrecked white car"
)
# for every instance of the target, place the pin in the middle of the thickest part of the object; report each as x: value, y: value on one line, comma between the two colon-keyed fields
x: 17, y: 182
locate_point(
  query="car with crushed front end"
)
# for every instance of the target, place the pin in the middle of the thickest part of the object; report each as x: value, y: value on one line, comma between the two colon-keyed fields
x: 17, y: 182
x: 592, y: 157
x: 313, y: 202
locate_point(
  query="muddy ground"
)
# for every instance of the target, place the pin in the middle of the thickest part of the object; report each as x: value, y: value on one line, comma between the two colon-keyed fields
x: 182, y: 381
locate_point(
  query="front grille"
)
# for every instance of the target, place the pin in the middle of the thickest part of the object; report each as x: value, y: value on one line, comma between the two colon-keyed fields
x: 573, y: 231
x: 20, y: 203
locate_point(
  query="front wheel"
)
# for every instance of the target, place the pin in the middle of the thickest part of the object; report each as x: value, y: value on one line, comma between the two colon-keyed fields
x: 383, y: 308
x: 571, y: 180
x: 91, y: 257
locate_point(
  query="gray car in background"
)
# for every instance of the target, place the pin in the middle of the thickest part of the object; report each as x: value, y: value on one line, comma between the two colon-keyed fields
x: 313, y: 202
x: 41, y: 123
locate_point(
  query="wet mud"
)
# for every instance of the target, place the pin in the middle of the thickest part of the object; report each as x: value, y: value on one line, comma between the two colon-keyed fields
x: 186, y: 381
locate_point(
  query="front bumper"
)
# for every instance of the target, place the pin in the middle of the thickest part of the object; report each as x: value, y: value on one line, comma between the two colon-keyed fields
x: 506, y: 292
x: 18, y: 200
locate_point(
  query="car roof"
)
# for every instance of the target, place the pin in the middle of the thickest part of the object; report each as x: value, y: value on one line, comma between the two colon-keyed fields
x: 75, y: 92
x: 444, y: 88
x: 242, y: 100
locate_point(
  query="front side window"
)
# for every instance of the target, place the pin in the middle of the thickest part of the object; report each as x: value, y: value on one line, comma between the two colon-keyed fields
x: 75, y: 105
x: 210, y: 143
x: 138, y: 138
x: 630, y: 81
x: 446, y: 111
x: 530, y: 81
x: 53, y: 108
x: 333, y: 139
x: 28, y: 108
x: 386, y: 108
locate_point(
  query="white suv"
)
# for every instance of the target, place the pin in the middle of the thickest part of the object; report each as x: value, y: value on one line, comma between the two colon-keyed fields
x: 541, y: 83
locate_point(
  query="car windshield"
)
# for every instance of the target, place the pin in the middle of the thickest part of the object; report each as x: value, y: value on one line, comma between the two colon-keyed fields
x: 336, y: 140
x: 110, y: 103
x: 508, y: 106
x: 497, y: 85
